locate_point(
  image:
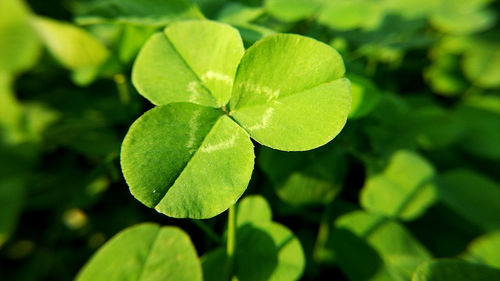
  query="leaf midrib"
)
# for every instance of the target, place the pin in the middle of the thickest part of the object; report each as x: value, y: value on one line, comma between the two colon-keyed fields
x: 189, y: 160
x: 287, y: 96
x: 191, y: 69
x: 148, y: 256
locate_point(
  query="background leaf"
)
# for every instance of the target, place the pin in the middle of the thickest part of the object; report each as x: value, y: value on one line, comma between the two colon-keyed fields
x: 144, y: 252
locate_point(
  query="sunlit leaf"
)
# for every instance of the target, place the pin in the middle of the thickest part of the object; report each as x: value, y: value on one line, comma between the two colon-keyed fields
x: 284, y: 85
x: 186, y: 160
x: 20, y: 46
x: 144, y: 252
x: 457, y: 270
x: 72, y: 46
x: 192, y: 61
x: 292, y: 10
x: 485, y: 249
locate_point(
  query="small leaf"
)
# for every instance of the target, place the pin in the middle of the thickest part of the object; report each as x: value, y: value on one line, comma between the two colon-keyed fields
x: 386, y: 249
x: 485, y: 249
x: 20, y: 47
x: 481, y: 131
x: 349, y: 14
x: 481, y: 65
x: 473, y: 196
x: 187, y: 160
x: 72, y: 46
x: 191, y: 61
x: 144, y: 252
x: 454, y: 269
x: 264, y: 250
x: 462, y: 17
x: 292, y: 10
x: 304, y: 178
x: 253, y: 210
x: 364, y: 96
x: 289, y: 93
x: 404, y: 189
x: 146, y: 12
x: 11, y: 201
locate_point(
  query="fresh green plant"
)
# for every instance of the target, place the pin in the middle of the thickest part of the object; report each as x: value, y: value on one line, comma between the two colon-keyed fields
x: 218, y: 116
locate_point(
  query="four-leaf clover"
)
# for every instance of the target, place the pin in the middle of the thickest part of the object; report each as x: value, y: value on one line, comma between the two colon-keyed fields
x: 192, y: 156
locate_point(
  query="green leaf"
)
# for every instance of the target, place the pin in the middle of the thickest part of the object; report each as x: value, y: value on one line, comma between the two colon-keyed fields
x: 481, y: 65
x: 191, y: 61
x: 436, y: 128
x: 72, y: 46
x: 485, y: 249
x: 473, y: 196
x: 20, y: 47
x: 19, y: 122
x: 385, y: 248
x: 481, y: 131
x: 404, y: 189
x: 289, y: 93
x: 144, y: 252
x: 462, y: 17
x: 454, y: 269
x: 187, y: 160
x: 253, y: 209
x: 304, y: 178
x: 237, y: 13
x: 292, y: 10
x: 147, y: 12
x: 264, y: 250
x: 349, y: 14
x: 11, y: 201
x: 365, y: 96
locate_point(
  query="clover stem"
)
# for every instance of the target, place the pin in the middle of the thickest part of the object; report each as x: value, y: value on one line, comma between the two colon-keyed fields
x: 121, y: 85
x: 231, y: 239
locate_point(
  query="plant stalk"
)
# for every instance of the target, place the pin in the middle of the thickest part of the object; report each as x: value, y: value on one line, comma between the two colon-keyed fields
x: 231, y: 240
x: 121, y: 85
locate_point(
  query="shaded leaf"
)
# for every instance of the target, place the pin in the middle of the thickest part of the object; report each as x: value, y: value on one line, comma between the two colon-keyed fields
x: 264, y: 250
x: 404, y: 189
x: 386, y: 247
x: 473, y: 196
x: 147, y: 12
x: 304, y: 178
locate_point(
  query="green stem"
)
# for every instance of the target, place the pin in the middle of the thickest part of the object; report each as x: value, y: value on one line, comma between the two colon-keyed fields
x: 231, y: 239
x: 121, y: 85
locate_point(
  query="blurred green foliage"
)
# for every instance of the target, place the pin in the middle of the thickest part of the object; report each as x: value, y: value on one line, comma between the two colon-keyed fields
x: 412, y: 178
